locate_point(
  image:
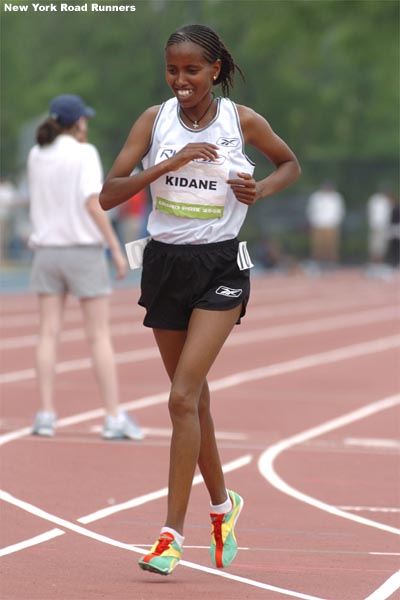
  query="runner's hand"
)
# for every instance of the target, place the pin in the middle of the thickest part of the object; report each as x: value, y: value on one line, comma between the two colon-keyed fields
x: 244, y: 188
x: 202, y: 150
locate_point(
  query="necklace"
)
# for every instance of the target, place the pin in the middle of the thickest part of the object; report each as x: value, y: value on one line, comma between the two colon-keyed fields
x: 195, y: 124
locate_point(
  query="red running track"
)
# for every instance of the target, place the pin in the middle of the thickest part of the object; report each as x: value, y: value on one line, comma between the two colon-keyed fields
x: 306, y: 406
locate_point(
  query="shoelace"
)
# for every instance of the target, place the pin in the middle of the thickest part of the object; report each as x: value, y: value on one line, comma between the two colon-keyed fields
x: 163, y: 543
x: 217, y: 521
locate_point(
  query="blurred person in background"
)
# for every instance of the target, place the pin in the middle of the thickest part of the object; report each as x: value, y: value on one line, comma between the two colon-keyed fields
x: 325, y: 213
x: 8, y: 198
x: 393, y: 235
x: 69, y: 235
x: 130, y: 216
x: 379, y: 209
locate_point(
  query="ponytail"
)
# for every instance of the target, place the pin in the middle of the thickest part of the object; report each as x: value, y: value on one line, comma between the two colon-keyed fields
x: 48, y: 131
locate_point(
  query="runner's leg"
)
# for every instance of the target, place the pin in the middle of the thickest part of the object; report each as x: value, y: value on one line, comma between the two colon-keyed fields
x: 188, y: 357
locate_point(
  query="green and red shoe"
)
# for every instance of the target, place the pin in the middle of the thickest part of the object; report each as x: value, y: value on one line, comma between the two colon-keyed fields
x: 223, y: 548
x: 164, y: 555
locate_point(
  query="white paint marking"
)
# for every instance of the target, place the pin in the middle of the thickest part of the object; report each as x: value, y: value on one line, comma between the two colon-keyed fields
x: 258, y: 312
x: 162, y: 493
x: 385, y: 553
x: 267, y: 458
x: 338, y: 354
x: 370, y: 509
x: 30, y: 508
x: 388, y: 588
x: 166, y: 432
x: 372, y: 442
x: 42, y: 514
x: 38, y: 539
x: 105, y: 512
x: 306, y: 362
x: 314, y: 326
x: 297, y: 364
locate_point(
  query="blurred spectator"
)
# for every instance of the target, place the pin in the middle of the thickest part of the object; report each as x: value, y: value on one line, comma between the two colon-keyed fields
x: 8, y: 197
x: 69, y: 234
x: 325, y: 213
x: 379, y: 209
x: 130, y: 215
x: 393, y: 246
x: 267, y: 253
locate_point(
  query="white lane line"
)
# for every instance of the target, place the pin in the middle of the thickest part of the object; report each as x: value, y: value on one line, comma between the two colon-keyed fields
x: 34, y: 541
x: 106, y: 512
x: 372, y: 442
x: 30, y: 508
x: 162, y: 493
x: 290, y: 366
x: 268, y: 457
x: 312, y: 360
x: 388, y: 588
x: 312, y: 327
x: 42, y: 514
x: 258, y: 312
x: 166, y: 432
x: 72, y: 315
x: 370, y: 509
x: 82, y: 364
x: 69, y: 335
x: 96, y: 413
x: 385, y: 553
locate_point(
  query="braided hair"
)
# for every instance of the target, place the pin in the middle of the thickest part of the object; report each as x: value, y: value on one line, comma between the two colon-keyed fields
x: 214, y: 49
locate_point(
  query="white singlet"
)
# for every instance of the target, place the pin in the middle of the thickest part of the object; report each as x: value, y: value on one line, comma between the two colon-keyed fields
x: 195, y: 205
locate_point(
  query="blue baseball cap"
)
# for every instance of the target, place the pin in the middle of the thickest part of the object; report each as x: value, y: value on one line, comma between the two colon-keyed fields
x: 68, y: 108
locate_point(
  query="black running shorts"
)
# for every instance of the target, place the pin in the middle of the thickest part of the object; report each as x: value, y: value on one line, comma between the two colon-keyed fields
x: 178, y: 278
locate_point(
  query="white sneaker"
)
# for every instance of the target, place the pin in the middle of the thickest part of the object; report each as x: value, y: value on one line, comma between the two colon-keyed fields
x: 123, y: 426
x: 44, y: 424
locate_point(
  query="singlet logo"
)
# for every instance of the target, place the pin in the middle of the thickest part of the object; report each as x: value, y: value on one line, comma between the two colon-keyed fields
x: 226, y: 291
x: 167, y: 152
x: 225, y: 141
x: 217, y: 161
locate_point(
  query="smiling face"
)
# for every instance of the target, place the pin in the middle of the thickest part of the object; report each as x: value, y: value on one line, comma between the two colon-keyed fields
x: 189, y: 75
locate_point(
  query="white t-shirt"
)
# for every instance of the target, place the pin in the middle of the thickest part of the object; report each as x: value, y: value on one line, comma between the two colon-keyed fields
x: 379, y: 210
x: 325, y: 209
x: 194, y: 204
x: 61, y: 178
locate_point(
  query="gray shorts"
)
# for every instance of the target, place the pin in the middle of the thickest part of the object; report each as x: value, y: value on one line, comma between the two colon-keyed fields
x: 79, y: 270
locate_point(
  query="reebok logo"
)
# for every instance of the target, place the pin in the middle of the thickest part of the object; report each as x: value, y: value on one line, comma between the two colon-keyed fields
x: 231, y: 142
x: 226, y: 291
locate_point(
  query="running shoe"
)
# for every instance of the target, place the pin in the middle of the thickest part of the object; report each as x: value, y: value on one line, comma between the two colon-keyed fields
x: 164, y: 555
x: 123, y: 426
x: 44, y: 424
x: 223, y: 548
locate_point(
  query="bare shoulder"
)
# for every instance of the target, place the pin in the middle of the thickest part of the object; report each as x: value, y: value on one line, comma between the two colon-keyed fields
x: 258, y: 133
x: 141, y: 130
x: 148, y: 117
x: 252, y: 122
x: 136, y: 144
x: 248, y: 116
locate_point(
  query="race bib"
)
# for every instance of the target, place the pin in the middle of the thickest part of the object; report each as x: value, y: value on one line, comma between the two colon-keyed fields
x: 198, y: 190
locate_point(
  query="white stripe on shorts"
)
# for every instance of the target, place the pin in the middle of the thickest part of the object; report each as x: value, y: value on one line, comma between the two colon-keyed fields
x: 243, y: 257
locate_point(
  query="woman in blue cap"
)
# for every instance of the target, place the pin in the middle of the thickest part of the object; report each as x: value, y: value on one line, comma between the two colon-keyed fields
x: 69, y: 236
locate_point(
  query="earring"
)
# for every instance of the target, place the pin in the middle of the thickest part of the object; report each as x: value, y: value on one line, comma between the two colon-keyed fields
x: 215, y: 77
